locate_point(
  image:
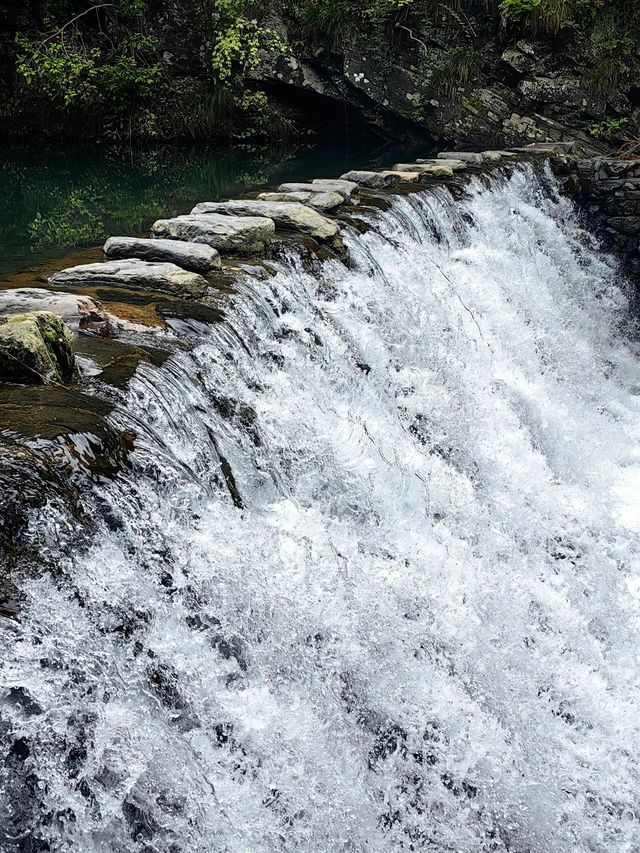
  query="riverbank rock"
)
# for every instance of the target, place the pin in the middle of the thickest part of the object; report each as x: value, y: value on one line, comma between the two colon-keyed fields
x: 234, y: 235
x: 285, y: 214
x: 319, y: 200
x: 134, y: 274
x: 336, y: 185
x: 372, y: 180
x: 195, y: 257
x: 36, y: 348
x: 77, y: 310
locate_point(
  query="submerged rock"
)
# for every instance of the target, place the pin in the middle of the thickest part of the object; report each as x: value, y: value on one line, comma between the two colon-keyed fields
x: 373, y: 180
x: 35, y: 348
x: 134, y: 274
x: 285, y: 214
x: 235, y: 235
x: 196, y: 257
x: 319, y: 200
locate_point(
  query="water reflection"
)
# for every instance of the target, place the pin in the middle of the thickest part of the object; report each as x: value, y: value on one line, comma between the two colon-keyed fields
x: 51, y: 202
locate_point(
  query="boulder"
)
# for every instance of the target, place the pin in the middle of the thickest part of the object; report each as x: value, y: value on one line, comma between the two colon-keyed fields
x: 77, y: 310
x: 406, y: 177
x: 134, y: 274
x: 196, y: 257
x: 36, y: 348
x: 285, y: 214
x: 318, y: 200
x: 344, y: 188
x: 373, y: 180
x: 470, y: 157
x: 234, y: 235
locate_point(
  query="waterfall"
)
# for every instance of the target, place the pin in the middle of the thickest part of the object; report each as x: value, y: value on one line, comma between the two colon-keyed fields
x: 371, y: 579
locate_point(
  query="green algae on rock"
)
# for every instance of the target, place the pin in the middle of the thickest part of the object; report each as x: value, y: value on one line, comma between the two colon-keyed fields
x: 36, y: 348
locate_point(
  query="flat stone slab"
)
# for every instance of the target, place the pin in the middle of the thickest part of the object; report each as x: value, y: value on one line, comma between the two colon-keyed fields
x: 336, y: 185
x: 196, y: 257
x: 344, y: 189
x: 318, y: 200
x: 77, y: 310
x: 441, y: 169
x: 406, y: 177
x: 234, y: 235
x: 35, y: 347
x: 285, y: 214
x: 471, y: 157
x: 373, y: 180
x: 456, y: 165
x: 134, y: 274
x: 498, y: 156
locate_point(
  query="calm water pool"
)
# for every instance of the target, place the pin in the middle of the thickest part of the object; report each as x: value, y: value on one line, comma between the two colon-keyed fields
x: 54, y: 202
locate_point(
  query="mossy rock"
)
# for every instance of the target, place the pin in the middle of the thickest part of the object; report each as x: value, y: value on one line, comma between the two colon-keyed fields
x: 36, y: 348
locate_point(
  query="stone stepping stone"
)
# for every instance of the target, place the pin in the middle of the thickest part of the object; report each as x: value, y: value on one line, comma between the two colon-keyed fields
x: 456, y: 165
x: 234, y: 235
x: 406, y: 177
x: 285, y: 214
x: 372, y: 180
x: 76, y: 309
x: 434, y: 170
x: 341, y: 188
x: 319, y: 200
x: 196, y: 257
x: 134, y: 274
x: 337, y: 185
x: 470, y: 157
x: 498, y: 156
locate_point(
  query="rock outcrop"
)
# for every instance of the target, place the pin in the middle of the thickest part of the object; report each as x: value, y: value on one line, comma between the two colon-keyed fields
x: 76, y: 310
x: 35, y: 348
x: 372, y: 180
x: 134, y: 274
x: 195, y: 257
x: 233, y: 235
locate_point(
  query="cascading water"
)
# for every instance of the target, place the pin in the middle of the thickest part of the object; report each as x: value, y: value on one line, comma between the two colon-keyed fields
x: 372, y: 581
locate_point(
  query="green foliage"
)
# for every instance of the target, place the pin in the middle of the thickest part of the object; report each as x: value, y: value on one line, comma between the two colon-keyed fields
x: 239, y: 44
x: 513, y: 10
x: 609, y: 128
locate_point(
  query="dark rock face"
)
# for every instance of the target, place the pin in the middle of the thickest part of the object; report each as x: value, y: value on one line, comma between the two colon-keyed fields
x: 609, y: 189
x: 35, y: 348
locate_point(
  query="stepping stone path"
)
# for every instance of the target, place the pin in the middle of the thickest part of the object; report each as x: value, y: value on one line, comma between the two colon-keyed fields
x: 195, y: 257
x: 234, y: 235
x: 134, y: 274
x: 285, y: 214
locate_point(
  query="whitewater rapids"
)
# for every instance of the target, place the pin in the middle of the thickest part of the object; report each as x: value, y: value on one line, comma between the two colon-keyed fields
x: 372, y: 582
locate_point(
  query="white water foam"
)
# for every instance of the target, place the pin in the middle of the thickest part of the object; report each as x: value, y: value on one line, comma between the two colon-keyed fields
x: 420, y: 631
